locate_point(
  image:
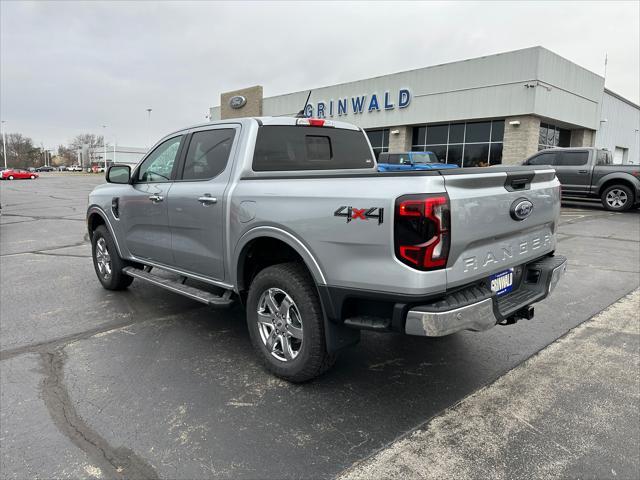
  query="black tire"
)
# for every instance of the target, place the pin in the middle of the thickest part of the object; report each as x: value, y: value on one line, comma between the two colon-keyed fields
x: 33, y: 177
x: 617, y: 198
x: 116, y: 279
x: 10, y: 177
x: 312, y: 358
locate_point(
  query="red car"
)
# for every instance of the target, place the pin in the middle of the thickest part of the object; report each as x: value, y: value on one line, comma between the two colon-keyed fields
x: 13, y: 174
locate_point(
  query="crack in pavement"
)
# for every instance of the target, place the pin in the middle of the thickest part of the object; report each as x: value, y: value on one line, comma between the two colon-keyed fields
x: 36, y: 218
x: 117, y: 463
x: 60, y: 254
x: 44, y: 251
x: 61, y: 342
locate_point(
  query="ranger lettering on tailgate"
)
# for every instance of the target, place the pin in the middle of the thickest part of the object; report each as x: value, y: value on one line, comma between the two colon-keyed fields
x: 506, y: 253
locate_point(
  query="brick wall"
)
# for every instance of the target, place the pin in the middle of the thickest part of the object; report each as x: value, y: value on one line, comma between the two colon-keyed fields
x: 400, y: 142
x: 582, y: 137
x: 520, y: 141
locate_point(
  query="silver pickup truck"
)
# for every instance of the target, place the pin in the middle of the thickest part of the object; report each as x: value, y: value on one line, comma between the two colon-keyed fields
x: 290, y: 218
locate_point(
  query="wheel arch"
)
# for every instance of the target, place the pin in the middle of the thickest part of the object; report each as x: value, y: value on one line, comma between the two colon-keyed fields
x: 609, y: 181
x: 337, y: 336
x: 281, y: 245
x: 96, y: 217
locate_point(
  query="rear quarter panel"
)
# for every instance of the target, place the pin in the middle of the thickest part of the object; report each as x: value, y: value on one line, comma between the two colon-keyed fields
x: 355, y: 254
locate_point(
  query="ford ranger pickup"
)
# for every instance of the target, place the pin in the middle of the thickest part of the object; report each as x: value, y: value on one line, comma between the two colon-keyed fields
x: 290, y: 218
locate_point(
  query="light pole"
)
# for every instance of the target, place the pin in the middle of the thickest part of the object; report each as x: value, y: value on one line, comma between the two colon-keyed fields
x: 149, y: 126
x: 104, y: 145
x: 4, y: 144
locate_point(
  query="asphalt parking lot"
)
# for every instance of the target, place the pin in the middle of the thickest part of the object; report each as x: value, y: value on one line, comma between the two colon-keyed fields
x: 148, y: 384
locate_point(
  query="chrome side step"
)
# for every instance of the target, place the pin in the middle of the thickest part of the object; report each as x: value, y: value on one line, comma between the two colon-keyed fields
x: 177, y: 286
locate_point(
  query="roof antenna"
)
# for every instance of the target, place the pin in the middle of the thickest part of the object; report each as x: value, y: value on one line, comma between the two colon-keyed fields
x: 302, y: 113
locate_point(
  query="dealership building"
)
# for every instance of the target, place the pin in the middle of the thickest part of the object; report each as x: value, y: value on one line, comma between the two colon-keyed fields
x: 488, y: 110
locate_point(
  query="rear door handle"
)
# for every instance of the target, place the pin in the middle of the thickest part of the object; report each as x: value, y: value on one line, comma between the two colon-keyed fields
x: 582, y: 171
x: 156, y: 198
x: 207, y: 199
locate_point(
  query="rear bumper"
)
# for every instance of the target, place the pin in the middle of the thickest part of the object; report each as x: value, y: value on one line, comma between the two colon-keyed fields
x: 477, y: 308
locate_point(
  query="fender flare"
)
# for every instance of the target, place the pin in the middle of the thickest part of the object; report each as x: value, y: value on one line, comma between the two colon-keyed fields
x: 617, y: 176
x: 337, y: 336
x: 96, y: 210
x: 279, y: 234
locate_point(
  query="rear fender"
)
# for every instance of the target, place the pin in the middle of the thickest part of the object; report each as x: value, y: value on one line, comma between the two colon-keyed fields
x: 337, y: 336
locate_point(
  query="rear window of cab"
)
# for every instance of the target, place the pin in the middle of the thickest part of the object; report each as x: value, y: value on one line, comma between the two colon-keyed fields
x: 290, y: 148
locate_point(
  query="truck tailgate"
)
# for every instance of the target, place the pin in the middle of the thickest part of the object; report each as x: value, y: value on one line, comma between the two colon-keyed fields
x: 486, y: 235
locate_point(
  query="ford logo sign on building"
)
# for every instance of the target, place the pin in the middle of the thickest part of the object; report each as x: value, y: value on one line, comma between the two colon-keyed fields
x: 521, y: 209
x: 237, y: 102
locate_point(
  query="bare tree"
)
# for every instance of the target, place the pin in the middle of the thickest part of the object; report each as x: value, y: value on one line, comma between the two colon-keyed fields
x: 90, y: 143
x: 21, y: 152
x: 68, y: 156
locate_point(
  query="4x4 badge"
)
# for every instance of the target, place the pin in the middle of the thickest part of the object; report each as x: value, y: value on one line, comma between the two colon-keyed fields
x: 351, y: 213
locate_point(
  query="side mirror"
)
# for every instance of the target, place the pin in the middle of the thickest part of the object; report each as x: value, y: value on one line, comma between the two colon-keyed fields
x: 118, y: 174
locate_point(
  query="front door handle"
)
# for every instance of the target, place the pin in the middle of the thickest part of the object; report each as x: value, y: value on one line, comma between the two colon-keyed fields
x: 582, y: 171
x: 156, y: 198
x: 207, y: 199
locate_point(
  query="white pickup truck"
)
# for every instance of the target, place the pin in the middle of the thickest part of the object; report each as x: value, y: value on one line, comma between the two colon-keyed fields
x: 290, y: 217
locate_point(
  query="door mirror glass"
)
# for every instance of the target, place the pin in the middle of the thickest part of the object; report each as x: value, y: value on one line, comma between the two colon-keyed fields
x: 119, y: 174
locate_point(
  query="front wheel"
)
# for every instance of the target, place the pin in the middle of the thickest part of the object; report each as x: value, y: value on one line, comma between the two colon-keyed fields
x: 106, y: 261
x: 32, y: 177
x: 10, y: 177
x: 286, y: 323
x: 617, y: 198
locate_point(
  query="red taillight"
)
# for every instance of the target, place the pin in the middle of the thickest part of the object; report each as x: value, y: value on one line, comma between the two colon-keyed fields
x: 422, y: 234
x: 314, y: 122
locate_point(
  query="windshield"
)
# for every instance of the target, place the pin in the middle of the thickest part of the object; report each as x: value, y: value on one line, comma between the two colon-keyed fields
x: 412, y: 158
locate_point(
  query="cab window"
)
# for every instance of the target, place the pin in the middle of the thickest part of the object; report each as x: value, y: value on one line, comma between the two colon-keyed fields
x: 158, y: 166
x: 573, y: 159
x: 604, y: 157
x: 543, y: 159
x: 208, y: 154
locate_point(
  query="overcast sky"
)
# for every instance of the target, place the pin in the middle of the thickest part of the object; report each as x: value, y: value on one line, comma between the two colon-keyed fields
x: 68, y: 68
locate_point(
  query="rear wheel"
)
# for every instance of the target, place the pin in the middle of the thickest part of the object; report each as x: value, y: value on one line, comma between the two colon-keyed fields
x: 286, y: 324
x: 10, y: 177
x: 32, y: 177
x: 617, y: 198
x: 106, y: 261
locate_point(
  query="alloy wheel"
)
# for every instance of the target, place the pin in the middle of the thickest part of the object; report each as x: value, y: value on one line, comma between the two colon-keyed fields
x: 103, y: 259
x: 616, y: 198
x: 280, y: 324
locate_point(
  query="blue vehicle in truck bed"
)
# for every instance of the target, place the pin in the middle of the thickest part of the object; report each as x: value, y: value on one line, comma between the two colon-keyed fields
x: 400, y: 162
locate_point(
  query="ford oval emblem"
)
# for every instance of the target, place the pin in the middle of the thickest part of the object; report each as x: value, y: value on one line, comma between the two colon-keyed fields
x: 521, y: 209
x: 237, y: 101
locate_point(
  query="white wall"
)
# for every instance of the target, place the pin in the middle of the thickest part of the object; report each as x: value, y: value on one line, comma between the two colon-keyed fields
x: 622, y: 127
x: 127, y: 155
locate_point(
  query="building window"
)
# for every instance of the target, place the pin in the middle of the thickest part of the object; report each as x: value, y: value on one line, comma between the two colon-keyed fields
x: 551, y: 136
x: 466, y: 144
x: 379, y: 141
